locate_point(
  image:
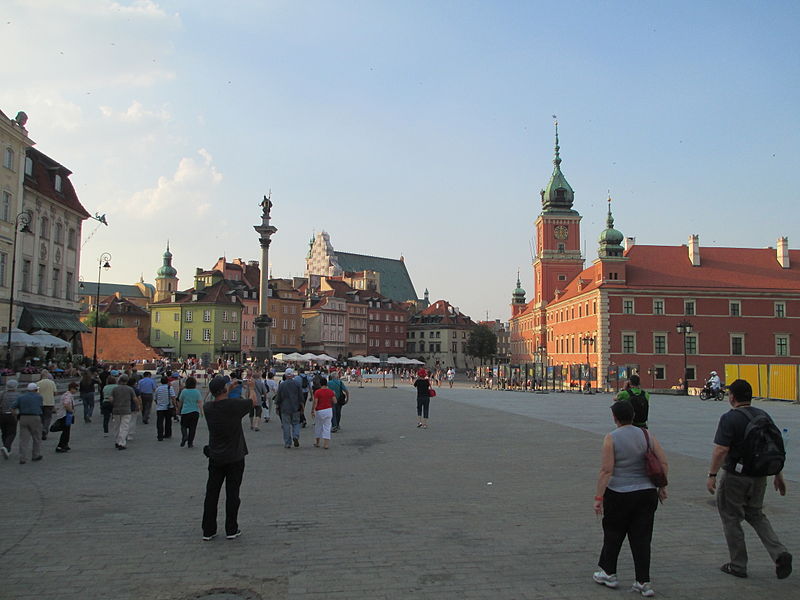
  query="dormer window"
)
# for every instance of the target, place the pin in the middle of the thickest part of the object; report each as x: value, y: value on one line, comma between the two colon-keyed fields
x: 57, y: 182
x: 28, y: 166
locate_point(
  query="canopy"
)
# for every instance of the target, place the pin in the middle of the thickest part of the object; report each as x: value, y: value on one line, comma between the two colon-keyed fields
x: 371, y: 360
x: 325, y: 358
x: 308, y: 356
x: 357, y: 358
x: 280, y: 356
x: 51, y: 341
x: 20, y: 338
x: 293, y: 356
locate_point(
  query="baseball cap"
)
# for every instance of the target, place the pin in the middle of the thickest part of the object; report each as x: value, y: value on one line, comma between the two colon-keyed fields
x: 216, y: 385
x: 289, y: 371
x: 33, y: 387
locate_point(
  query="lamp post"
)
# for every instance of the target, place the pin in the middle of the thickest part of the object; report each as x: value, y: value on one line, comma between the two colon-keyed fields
x: 683, y: 328
x: 652, y: 372
x: 543, y: 359
x: 23, y: 218
x: 102, y: 263
x: 588, y: 340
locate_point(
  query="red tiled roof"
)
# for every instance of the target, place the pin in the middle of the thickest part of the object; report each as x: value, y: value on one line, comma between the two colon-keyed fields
x: 217, y: 293
x: 121, y: 306
x: 42, y: 182
x: 116, y: 344
x: 720, y: 268
x: 444, y: 309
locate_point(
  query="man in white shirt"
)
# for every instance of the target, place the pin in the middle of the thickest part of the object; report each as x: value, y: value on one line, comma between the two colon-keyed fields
x: 47, y: 389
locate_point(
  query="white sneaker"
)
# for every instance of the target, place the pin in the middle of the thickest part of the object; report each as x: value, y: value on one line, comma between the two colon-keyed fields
x: 645, y: 589
x: 4, y: 450
x: 605, y: 579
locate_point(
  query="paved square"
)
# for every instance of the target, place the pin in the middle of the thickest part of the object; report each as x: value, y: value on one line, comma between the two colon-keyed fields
x: 494, y: 500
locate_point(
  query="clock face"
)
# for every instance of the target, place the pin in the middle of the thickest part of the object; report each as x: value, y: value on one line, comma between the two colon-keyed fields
x: 561, y: 232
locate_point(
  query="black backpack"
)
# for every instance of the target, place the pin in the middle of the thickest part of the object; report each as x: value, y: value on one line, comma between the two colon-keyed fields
x: 761, y: 452
x: 640, y: 405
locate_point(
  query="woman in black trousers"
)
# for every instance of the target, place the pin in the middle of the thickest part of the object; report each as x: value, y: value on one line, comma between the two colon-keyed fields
x: 423, y: 386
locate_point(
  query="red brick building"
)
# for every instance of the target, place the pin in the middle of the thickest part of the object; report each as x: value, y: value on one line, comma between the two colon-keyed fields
x: 742, y: 304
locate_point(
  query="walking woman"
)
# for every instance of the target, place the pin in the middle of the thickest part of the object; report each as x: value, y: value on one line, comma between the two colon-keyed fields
x: 627, y: 499
x: 423, y: 386
x: 322, y: 412
x: 164, y: 399
x: 190, y: 409
x: 65, y: 409
x: 8, y: 420
x: 86, y: 388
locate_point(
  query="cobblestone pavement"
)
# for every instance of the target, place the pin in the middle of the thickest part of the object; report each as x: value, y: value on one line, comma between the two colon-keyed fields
x: 494, y: 500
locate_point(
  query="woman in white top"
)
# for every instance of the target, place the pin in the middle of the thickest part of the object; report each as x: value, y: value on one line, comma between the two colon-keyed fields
x: 65, y: 409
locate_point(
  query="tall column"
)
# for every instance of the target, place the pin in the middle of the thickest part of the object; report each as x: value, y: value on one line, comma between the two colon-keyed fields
x: 263, y: 349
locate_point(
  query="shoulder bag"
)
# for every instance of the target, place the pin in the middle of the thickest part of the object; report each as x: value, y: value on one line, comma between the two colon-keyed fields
x: 653, y: 466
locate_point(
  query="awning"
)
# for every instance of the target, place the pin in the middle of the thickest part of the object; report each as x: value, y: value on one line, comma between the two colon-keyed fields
x: 51, y: 320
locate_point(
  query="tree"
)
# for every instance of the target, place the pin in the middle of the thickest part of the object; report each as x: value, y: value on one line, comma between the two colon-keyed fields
x: 105, y: 320
x: 482, y: 343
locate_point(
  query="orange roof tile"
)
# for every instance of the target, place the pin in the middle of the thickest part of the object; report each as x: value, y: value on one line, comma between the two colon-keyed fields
x: 116, y: 344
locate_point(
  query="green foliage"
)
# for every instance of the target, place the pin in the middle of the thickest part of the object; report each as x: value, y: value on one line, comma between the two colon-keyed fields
x: 482, y: 343
x: 105, y: 321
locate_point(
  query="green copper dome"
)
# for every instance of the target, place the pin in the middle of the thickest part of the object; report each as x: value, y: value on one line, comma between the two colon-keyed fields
x: 518, y: 295
x: 611, y: 239
x: 166, y: 269
x: 558, y: 196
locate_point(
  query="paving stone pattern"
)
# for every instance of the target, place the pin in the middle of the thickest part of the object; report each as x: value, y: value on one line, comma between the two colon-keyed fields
x: 494, y: 500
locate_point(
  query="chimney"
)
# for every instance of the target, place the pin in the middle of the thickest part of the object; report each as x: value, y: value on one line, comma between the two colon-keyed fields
x: 783, y: 252
x: 630, y: 242
x: 694, y: 250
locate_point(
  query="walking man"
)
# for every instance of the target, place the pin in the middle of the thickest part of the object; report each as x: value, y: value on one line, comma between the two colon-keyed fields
x: 122, y: 399
x: 289, y: 402
x: 47, y: 389
x: 146, y: 386
x: 8, y: 421
x: 29, y: 410
x: 639, y: 399
x: 740, y: 496
x: 225, y: 451
x: 342, y: 396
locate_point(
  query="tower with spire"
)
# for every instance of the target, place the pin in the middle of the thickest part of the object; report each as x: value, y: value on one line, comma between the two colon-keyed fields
x: 611, y: 260
x: 166, y: 278
x: 517, y: 299
x: 558, y: 255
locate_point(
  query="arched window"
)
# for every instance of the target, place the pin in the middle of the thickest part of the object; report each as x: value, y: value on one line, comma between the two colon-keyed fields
x: 59, y: 234
x: 44, y: 228
x: 71, y: 238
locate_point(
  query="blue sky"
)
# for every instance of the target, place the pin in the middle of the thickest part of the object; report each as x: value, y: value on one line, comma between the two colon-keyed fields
x: 415, y: 128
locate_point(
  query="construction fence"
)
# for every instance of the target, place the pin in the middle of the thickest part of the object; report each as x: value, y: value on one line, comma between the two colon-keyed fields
x: 776, y: 382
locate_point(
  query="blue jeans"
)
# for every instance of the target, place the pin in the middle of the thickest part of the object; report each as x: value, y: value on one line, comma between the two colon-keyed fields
x: 88, y: 405
x: 290, y: 423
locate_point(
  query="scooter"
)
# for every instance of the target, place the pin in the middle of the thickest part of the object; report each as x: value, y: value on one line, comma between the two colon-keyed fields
x: 708, y: 393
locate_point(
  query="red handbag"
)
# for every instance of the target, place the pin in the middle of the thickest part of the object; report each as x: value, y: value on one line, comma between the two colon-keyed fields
x: 653, y: 466
x: 431, y: 392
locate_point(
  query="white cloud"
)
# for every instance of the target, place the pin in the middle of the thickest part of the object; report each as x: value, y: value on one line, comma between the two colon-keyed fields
x: 136, y: 113
x: 191, y: 189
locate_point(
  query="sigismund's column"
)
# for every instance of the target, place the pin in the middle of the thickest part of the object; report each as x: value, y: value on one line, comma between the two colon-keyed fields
x: 263, y: 349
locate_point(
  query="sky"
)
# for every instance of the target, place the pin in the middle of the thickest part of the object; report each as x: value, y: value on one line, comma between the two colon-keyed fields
x: 421, y: 129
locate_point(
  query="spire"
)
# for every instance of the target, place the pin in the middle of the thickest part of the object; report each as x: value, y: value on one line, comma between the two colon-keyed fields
x: 557, y: 159
x: 610, y: 238
x: 518, y: 296
x: 610, y: 218
x: 519, y: 283
x: 558, y: 195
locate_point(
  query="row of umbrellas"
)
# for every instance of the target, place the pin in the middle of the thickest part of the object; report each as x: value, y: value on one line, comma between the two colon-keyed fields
x: 38, y: 339
x: 370, y: 360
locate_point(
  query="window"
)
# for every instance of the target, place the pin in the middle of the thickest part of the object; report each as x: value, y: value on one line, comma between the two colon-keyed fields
x: 234, y: 335
x: 421, y: 334
x: 660, y: 372
x: 28, y: 166
x: 158, y: 334
x: 224, y: 335
x: 735, y: 308
x: 627, y: 306
x: 225, y: 315
x: 3, y: 268
x: 59, y: 234
x: 691, y: 373
x: 189, y: 316
x: 57, y: 182
x: 119, y: 322
x: 40, y: 279
x: 207, y: 335
x: 5, y: 208
x: 561, y: 247
x: 71, y: 237
x: 56, y: 283
x: 691, y: 343
x: 137, y: 322
x: 688, y: 307
x: 293, y: 323
x: 629, y: 343
x: 176, y: 335
x: 737, y: 344
x: 658, y: 306
x: 207, y: 316
x: 234, y: 316
x: 176, y: 316
x: 780, y: 309
x: 8, y: 159
x: 69, y: 286
x: 454, y: 347
x: 44, y: 228
x: 421, y: 346
x: 562, y: 277
x: 188, y: 335
x: 659, y: 343
x: 158, y: 317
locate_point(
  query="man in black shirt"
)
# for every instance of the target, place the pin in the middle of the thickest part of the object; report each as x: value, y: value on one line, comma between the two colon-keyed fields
x: 739, y: 496
x: 226, y: 451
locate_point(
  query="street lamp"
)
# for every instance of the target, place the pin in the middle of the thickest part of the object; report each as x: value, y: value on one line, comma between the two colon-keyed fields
x: 543, y: 361
x: 683, y: 328
x: 588, y: 340
x: 102, y: 263
x: 652, y: 372
x: 23, y: 218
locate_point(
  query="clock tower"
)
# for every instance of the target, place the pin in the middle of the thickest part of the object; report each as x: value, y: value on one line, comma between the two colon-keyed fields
x: 558, y: 235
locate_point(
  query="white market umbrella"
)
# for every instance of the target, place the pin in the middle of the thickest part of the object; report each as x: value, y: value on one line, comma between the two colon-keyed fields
x: 294, y: 356
x: 357, y: 359
x: 280, y: 356
x: 325, y: 358
x: 50, y: 341
x: 393, y: 360
x: 20, y: 338
x: 308, y: 356
x: 371, y: 360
